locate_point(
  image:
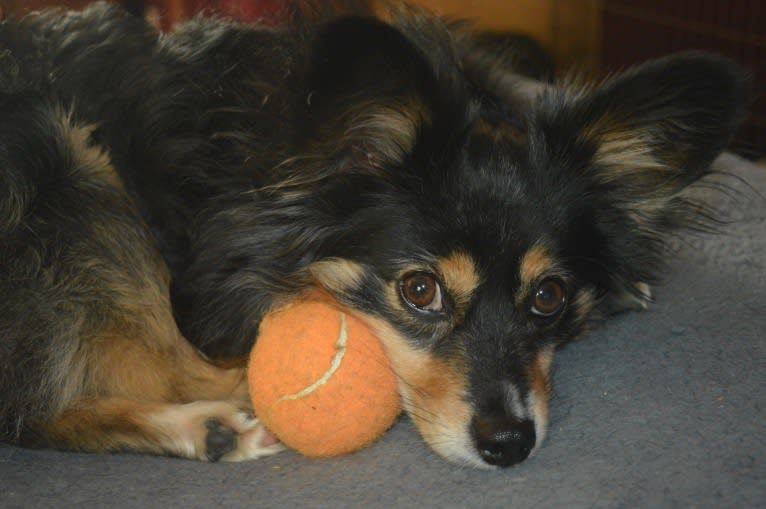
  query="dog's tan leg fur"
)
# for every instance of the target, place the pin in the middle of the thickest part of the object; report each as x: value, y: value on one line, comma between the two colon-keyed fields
x: 206, y: 430
x: 162, y: 398
x: 158, y: 396
x: 141, y: 387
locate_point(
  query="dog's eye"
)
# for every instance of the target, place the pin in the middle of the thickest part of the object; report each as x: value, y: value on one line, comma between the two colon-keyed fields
x: 549, y: 299
x: 422, y: 291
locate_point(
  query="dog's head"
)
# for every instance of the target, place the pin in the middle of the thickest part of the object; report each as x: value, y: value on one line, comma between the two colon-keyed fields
x: 478, y: 221
x: 478, y: 228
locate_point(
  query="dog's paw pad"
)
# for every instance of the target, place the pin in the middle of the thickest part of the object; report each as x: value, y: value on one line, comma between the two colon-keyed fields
x: 219, y: 441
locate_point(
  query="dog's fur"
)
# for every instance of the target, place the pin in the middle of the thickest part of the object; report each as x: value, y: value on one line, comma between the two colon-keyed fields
x: 475, y: 218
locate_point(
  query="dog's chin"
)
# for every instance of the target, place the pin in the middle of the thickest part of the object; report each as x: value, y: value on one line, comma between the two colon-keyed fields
x: 459, y: 449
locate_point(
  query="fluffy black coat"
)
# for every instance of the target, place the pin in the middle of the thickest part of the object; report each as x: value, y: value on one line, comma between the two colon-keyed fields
x: 349, y: 154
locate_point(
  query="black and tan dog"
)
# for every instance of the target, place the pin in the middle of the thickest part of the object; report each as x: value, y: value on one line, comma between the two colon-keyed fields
x: 161, y: 187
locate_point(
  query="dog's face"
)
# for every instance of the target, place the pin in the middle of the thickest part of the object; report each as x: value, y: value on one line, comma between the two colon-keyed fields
x: 476, y: 226
x: 466, y: 274
x: 472, y: 274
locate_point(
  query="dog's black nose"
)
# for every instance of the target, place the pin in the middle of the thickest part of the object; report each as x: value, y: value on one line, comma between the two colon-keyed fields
x: 503, y: 441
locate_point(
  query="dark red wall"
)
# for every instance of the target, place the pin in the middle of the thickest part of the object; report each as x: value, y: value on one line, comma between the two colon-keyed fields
x: 637, y: 30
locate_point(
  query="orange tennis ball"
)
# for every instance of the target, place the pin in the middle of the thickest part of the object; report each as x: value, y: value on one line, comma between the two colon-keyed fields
x: 320, y: 380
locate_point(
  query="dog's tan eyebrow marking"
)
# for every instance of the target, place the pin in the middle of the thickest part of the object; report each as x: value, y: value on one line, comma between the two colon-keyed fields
x: 534, y: 263
x: 460, y: 275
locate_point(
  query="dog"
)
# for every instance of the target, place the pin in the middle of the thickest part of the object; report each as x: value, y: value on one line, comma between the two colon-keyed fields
x: 159, y: 193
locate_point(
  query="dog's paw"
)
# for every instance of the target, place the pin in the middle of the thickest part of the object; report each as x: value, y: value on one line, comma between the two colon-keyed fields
x: 219, y: 431
x: 236, y: 435
x: 250, y: 439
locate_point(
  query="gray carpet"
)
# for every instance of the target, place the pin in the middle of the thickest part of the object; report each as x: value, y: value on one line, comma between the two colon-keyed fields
x: 664, y: 408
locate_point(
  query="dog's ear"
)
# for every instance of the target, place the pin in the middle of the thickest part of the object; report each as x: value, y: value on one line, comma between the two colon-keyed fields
x: 664, y: 122
x: 369, y: 92
x: 637, y: 142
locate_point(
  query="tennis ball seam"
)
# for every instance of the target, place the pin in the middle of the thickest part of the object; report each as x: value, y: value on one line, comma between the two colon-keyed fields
x: 341, y: 344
